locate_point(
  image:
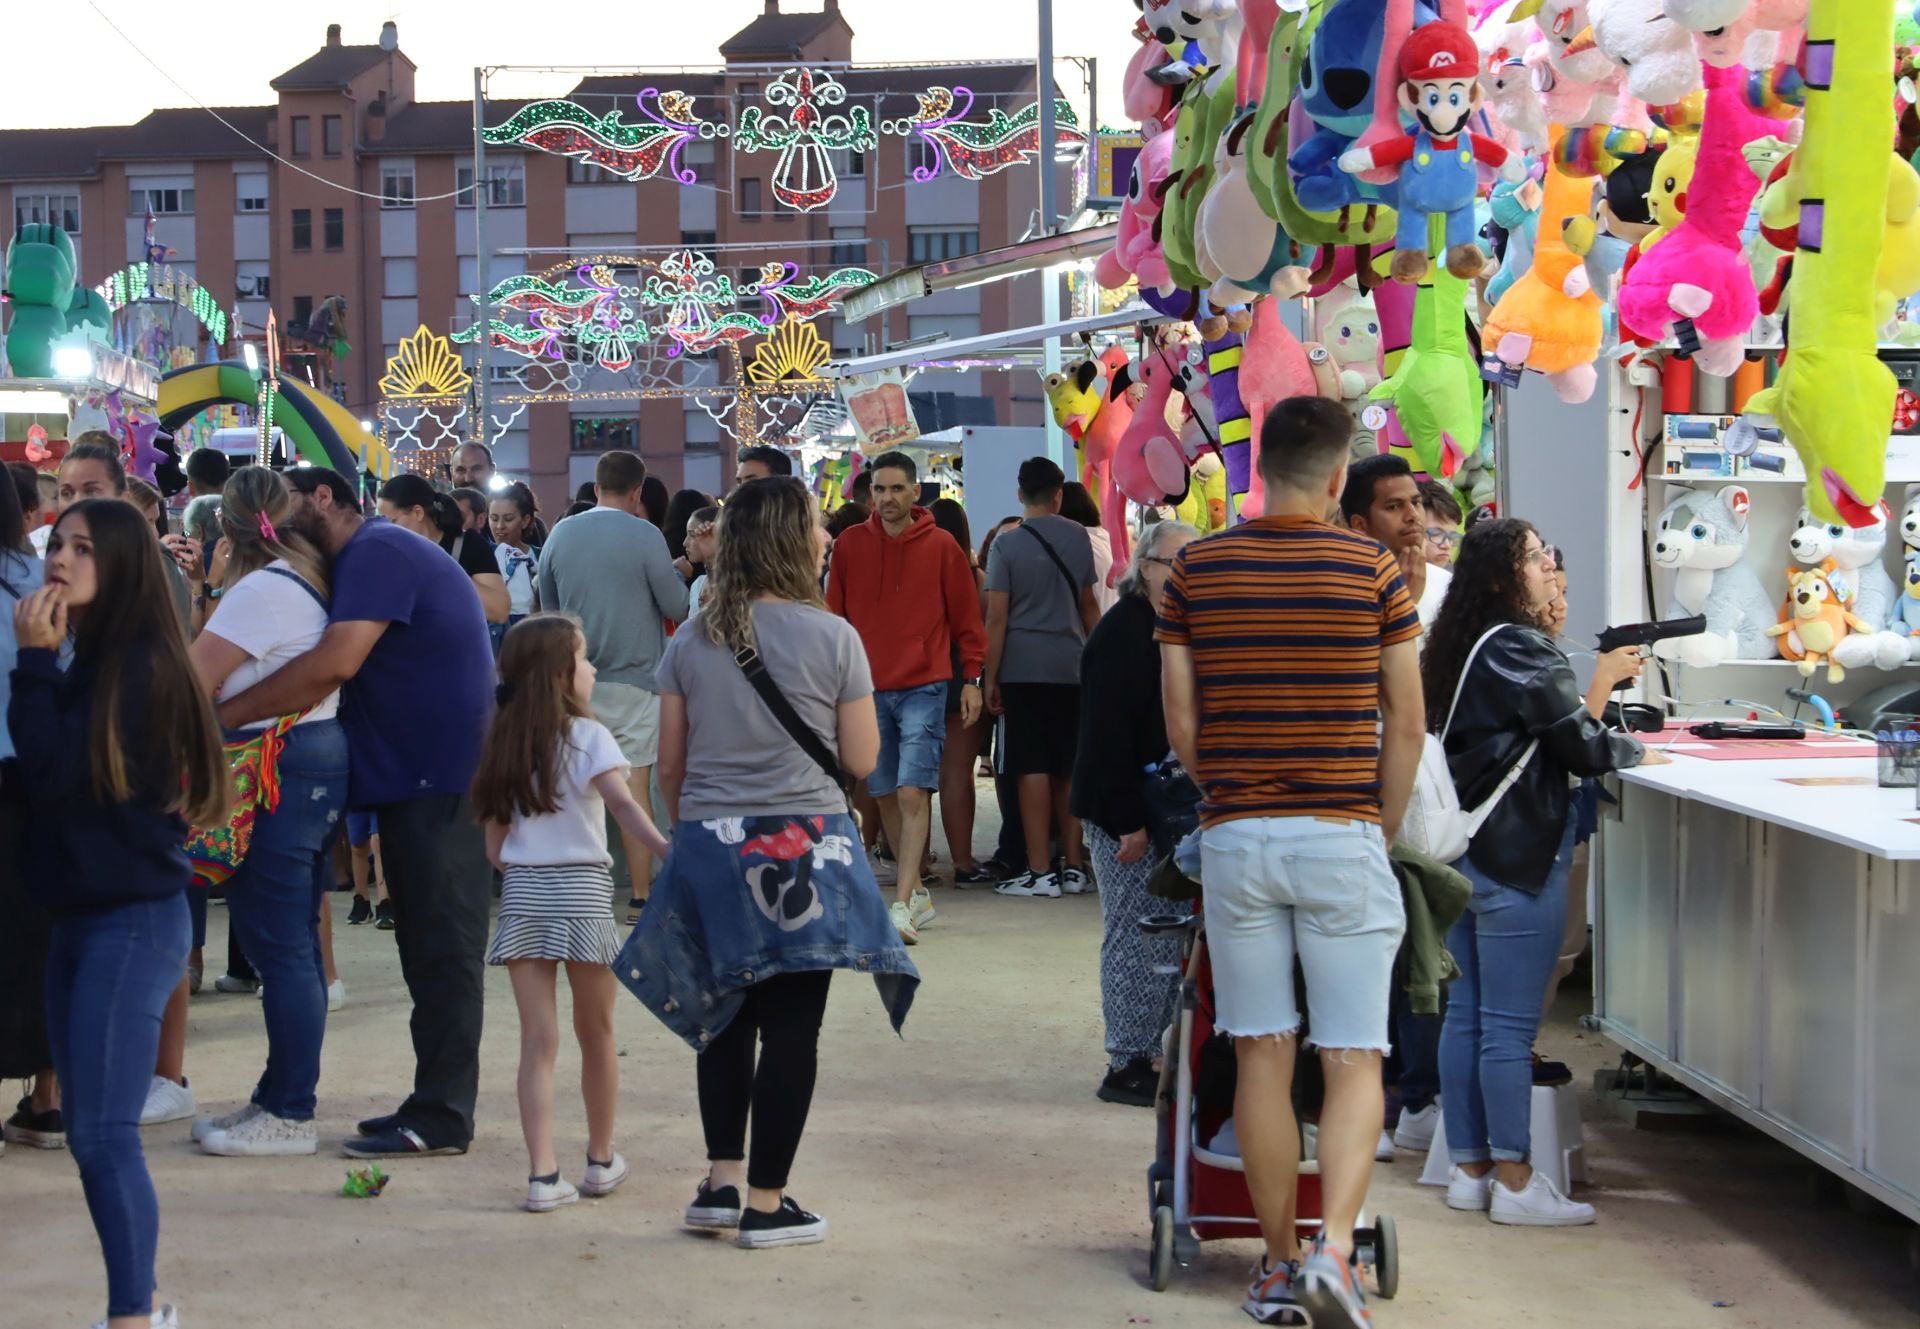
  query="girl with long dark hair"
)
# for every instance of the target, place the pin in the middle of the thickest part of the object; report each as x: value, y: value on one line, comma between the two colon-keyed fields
x: 1500, y: 693
x: 964, y: 741
x: 117, y: 755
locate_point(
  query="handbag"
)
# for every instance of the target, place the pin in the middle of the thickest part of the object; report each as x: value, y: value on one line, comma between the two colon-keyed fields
x: 1172, y: 804
x: 253, y: 765
x: 1435, y: 823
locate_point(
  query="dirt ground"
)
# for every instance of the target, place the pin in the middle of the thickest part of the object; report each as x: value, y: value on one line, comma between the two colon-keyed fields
x: 968, y: 1172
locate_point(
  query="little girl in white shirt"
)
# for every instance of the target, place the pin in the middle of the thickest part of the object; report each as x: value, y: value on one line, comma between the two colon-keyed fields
x: 548, y: 776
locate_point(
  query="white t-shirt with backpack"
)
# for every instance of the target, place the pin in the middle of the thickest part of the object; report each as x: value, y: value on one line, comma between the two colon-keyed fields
x: 274, y: 615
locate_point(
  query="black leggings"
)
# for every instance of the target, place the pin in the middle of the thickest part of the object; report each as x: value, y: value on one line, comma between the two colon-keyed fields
x: 785, y: 1012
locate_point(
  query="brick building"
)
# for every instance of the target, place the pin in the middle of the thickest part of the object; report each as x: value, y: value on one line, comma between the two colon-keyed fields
x: 401, y: 250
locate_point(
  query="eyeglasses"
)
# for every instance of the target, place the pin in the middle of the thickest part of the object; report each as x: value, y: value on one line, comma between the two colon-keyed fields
x: 1442, y: 535
x: 1155, y: 558
x: 1541, y: 558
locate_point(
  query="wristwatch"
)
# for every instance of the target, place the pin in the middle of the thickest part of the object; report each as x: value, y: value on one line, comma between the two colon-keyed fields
x: 973, y: 682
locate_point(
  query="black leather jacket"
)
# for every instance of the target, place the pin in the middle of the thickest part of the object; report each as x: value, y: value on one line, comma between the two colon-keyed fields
x: 1519, y: 688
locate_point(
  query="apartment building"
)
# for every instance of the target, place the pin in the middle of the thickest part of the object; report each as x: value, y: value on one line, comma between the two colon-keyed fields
x: 373, y: 204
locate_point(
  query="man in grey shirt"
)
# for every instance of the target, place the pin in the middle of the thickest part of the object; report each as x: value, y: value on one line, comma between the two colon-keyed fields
x: 610, y: 568
x: 1040, y: 608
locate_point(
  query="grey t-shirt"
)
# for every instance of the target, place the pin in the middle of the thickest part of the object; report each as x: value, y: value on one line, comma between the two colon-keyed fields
x: 611, y: 570
x: 740, y: 762
x: 1044, y: 630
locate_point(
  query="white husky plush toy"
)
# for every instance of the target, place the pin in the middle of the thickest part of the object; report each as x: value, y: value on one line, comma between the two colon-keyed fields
x: 1860, y: 579
x: 1702, y: 539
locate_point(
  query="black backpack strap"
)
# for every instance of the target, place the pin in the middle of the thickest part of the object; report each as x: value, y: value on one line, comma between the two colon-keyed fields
x: 797, y: 729
x: 1073, y: 587
x: 303, y: 583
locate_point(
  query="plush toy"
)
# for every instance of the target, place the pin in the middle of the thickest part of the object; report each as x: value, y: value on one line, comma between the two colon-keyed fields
x: 1404, y: 20
x: 1818, y: 627
x: 1205, y: 506
x: 1906, y: 612
x: 1722, y: 28
x: 1656, y: 55
x: 1516, y: 210
x: 1136, y: 247
x: 1852, y: 558
x: 1436, y: 392
x: 1576, y: 83
x: 1833, y: 397
x: 1702, y: 540
x: 1090, y: 403
x: 1148, y: 103
x: 1435, y: 166
x: 1258, y: 20
x: 1266, y: 155
x: 1695, y: 283
x: 1273, y: 367
x: 1516, y: 108
x: 1550, y: 320
x: 1193, y: 31
x: 1357, y: 226
x: 1204, y: 117
x: 1345, y: 322
x: 1335, y: 82
x: 1148, y: 462
x: 1910, y: 521
x: 1239, y: 248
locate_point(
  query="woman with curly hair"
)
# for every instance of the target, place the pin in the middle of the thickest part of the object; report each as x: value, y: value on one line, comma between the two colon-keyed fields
x: 1501, y: 694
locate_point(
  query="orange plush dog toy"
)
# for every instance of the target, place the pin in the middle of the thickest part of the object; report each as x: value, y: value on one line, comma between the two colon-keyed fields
x: 1818, y: 623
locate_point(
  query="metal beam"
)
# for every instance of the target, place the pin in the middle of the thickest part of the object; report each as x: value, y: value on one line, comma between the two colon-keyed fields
x: 948, y: 350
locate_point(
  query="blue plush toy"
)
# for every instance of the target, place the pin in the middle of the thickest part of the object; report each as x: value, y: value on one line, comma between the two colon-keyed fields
x: 1337, y: 93
x: 1516, y: 210
x: 1906, y: 612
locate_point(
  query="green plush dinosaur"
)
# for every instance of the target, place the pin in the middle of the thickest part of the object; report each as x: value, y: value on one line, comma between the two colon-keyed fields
x: 1267, y: 140
x: 1436, y: 390
x: 40, y: 286
x: 1834, y: 398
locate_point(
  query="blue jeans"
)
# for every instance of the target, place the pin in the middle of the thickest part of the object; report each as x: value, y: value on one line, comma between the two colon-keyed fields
x: 109, y: 975
x: 1506, y: 945
x: 274, y: 902
x: 913, y: 735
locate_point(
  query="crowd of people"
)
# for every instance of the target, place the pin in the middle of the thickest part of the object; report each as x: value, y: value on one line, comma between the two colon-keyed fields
x: 767, y: 702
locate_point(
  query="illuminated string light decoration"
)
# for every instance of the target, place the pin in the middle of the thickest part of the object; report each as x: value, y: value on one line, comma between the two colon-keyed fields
x: 796, y: 350
x: 805, y: 128
x: 424, y: 366
x: 149, y: 281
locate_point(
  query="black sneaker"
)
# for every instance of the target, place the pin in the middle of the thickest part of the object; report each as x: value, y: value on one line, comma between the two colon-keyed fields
x: 40, y: 1130
x: 397, y: 1142
x: 383, y: 916
x: 1551, y: 1074
x: 965, y: 877
x: 379, y: 1125
x: 362, y: 912
x: 1133, y: 1084
x: 713, y: 1208
x: 635, y: 907
x: 789, y: 1225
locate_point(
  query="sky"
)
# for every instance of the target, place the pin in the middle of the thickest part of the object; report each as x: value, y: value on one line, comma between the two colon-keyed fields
x: 229, y: 50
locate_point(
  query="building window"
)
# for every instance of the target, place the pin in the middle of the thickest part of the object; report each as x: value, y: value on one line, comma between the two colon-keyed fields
x: 599, y: 433
x: 302, y: 309
x: 302, y: 229
x: 922, y: 157
x: 62, y: 210
x: 396, y: 186
x: 698, y: 158
x: 929, y: 244
x: 699, y: 241
x: 586, y: 173
x: 750, y: 198
x: 849, y: 163
x: 849, y: 247
x: 401, y: 277
x: 336, y: 224
x: 251, y: 281
x: 161, y: 202
x: 748, y: 91
x: 250, y: 193
x: 302, y: 136
x: 332, y: 137
x: 506, y: 184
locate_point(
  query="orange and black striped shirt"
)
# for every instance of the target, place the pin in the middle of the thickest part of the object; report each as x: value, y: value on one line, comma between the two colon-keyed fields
x: 1286, y: 618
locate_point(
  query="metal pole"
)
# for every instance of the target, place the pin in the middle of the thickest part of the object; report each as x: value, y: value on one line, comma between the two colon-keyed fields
x: 483, y: 383
x: 1049, y: 214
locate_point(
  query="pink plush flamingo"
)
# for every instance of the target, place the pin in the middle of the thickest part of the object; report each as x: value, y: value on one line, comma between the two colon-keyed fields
x: 1148, y: 461
x: 1273, y: 367
x: 1136, y: 246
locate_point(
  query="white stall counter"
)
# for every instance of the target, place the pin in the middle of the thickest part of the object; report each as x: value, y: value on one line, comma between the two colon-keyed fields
x: 1833, y: 798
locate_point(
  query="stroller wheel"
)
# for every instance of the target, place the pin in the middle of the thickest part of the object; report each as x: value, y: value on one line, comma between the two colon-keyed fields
x: 1160, y: 1259
x: 1386, y: 1257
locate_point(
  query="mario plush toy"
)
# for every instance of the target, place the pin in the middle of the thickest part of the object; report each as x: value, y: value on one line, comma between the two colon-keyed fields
x: 1435, y: 163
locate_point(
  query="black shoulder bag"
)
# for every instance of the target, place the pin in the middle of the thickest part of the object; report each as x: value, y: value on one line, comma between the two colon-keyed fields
x: 797, y: 729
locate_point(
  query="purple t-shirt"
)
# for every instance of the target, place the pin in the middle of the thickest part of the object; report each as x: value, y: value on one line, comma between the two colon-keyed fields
x: 416, y: 713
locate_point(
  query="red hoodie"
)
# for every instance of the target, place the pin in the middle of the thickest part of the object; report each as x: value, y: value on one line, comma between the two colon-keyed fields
x: 911, y: 599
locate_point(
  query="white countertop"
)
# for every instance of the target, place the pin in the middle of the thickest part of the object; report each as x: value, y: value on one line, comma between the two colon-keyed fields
x: 1864, y: 817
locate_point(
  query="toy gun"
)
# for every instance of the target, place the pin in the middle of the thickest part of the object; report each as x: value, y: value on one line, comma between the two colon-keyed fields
x: 1646, y: 634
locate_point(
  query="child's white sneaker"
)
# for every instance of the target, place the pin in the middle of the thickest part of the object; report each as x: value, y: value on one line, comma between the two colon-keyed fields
x: 603, y: 1178
x: 545, y: 1194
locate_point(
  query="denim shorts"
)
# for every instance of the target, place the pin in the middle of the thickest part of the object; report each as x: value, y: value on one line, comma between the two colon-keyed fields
x: 1316, y: 888
x: 361, y: 828
x: 913, y: 734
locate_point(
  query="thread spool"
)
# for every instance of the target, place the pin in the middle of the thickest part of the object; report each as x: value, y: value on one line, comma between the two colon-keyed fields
x: 1711, y: 394
x: 1748, y: 379
x: 1676, y: 385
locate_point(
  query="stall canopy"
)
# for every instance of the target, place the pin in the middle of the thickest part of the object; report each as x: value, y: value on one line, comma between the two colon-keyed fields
x: 1047, y: 251
x: 988, y: 342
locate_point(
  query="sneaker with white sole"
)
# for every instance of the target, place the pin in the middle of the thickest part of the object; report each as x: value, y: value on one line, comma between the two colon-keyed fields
x: 545, y: 1194
x: 1329, y: 1288
x: 336, y: 994
x: 1537, y: 1204
x: 262, y: 1135
x: 1270, y: 1296
x: 1031, y: 884
x: 1415, y: 1131
x: 902, y: 918
x: 228, y: 983
x: 167, y: 1101
x: 789, y: 1225
x: 604, y: 1178
x: 1074, y: 880
x: 1383, y: 1150
x: 1470, y: 1195
x: 920, y: 905
x: 714, y: 1207
x: 225, y: 1122
x: 161, y: 1317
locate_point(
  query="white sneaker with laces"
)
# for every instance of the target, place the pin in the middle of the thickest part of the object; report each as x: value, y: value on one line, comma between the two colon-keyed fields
x: 162, y: 1317
x: 336, y: 994
x: 902, y: 918
x: 1538, y: 1204
x: 920, y: 905
x: 225, y: 1122
x: 262, y: 1135
x: 1074, y: 881
x: 1415, y: 1131
x: 1383, y: 1151
x: 546, y: 1196
x: 1469, y: 1194
x: 1031, y: 884
x: 604, y: 1180
x: 167, y: 1101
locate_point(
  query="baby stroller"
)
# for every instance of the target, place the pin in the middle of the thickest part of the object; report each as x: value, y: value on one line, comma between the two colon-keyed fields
x: 1196, y: 1193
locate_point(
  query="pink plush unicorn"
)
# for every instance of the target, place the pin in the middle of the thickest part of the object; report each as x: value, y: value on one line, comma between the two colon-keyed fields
x: 1136, y: 246
x: 1696, y: 284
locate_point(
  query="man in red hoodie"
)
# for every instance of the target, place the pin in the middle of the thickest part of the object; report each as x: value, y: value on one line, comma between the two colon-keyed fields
x: 905, y: 586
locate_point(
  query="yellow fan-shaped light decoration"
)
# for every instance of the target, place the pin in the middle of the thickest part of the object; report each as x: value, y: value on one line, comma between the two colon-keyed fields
x: 424, y: 366
x: 794, y: 350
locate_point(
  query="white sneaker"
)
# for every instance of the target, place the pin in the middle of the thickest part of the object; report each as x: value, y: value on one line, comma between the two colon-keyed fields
x: 1538, y: 1204
x: 336, y: 994
x: 163, y: 1317
x: 546, y: 1196
x: 167, y: 1101
x: 920, y: 905
x: 604, y: 1180
x: 262, y: 1135
x: 1469, y: 1194
x: 1415, y: 1131
x: 228, y: 983
x: 1383, y: 1151
x: 227, y: 1121
x: 1031, y: 883
x: 902, y: 918
x: 1074, y: 881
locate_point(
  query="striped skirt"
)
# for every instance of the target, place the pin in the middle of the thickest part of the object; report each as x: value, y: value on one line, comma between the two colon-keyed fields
x: 564, y: 912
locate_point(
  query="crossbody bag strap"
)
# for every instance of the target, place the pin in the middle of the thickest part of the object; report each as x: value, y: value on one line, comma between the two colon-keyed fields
x: 302, y: 582
x: 797, y: 729
x: 1073, y: 587
x: 1465, y: 669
